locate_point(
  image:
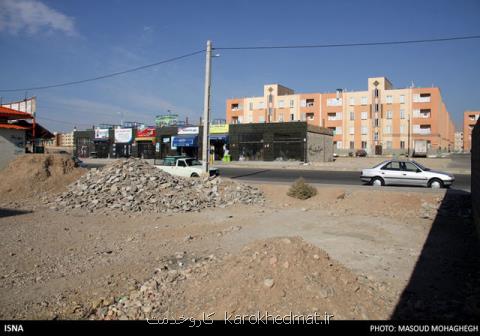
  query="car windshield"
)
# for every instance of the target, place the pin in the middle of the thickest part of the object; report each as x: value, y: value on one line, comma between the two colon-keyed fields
x: 420, y: 166
x: 192, y: 162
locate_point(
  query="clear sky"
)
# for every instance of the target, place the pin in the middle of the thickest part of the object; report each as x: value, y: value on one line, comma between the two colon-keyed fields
x: 46, y: 42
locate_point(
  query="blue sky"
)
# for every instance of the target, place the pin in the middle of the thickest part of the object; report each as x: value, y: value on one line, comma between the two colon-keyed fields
x: 47, y: 42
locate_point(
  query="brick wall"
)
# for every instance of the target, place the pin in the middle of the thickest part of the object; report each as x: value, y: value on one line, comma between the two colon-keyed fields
x: 475, y: 187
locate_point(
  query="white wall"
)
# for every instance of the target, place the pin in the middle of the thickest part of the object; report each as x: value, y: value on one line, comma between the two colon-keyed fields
x: 12, y: 143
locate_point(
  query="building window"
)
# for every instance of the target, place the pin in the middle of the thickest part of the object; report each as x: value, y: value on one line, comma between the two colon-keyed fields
x: 389, y: 99
x: 402, y: 144
x: 389, y: 145
x: 402, y: 129
x: 261, y: 105
x: 376, y: 122
x: 310, y: 115
x: 250, y: 106
x: 292, y: 117
x: 364, y: 130
x: 352, y: 115
x: 352, y: 130
x: 334, y: 102
x: 281, y: 103
x: 352, y: 145
x: 364, y: 115
x: 280, y: 117
x: 339, y: 145
x: 364, y: 145
x: 352, y: 101
x: 375, y: 136
x: 310, y: 102
x: 338, y: 130
x: 364, y: 101
x: 389, y: 114
x: 388, y: 130
x: 292, y: 103
x: 261, y: 119
x: 235, y: 120
x: 402, y: 99
x: 402, y: 114
x: 235, y: 107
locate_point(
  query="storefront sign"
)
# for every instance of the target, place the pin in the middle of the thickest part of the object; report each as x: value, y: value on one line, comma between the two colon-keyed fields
x: 123, y: 135
x: 188, y: 130
x: 101, y: 133
x: 146, y: 134
x: 165, y: 140
x: 218, y: 129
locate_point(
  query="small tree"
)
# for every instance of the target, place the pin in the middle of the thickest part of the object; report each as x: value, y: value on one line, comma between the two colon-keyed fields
x: 301, y: 190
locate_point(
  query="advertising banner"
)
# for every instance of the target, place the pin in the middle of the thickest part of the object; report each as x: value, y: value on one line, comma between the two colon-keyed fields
x: 101, y: 133
x: 149, y: 132
x: 123, y: 135
x: 219, y: 129
x: 188, y: 130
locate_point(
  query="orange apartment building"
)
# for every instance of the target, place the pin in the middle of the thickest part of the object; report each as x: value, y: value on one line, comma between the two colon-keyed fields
x: 381, y: 119
x: 470, y: 118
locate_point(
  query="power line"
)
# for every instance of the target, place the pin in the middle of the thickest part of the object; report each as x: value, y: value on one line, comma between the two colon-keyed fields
x: 351, y: 44
x: 105, y: 76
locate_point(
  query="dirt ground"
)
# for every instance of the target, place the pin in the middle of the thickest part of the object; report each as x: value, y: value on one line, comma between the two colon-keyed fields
x: 361, y: 253
x: 72, y: 265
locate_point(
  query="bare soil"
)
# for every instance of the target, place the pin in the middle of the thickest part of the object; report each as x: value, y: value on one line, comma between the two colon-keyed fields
x: 352, y: 253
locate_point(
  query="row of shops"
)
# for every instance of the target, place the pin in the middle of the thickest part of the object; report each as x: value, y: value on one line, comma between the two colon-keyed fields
x: 260, y: 142
x: 149, y: 142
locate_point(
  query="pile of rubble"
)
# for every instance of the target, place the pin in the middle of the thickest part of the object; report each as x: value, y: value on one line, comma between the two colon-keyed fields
x: 134, y: 185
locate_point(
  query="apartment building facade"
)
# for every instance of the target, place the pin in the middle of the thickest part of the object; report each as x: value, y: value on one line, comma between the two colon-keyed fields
x: 470, y: 118
x: 458, y: 147
x: 381, y: 119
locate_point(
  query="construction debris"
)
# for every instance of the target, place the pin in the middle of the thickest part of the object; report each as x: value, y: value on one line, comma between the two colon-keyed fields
x: 134, y: 185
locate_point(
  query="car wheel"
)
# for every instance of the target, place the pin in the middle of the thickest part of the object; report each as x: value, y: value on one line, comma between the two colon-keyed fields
x: 435, y: 184
x: 377, y: 182
x: 194, y: 175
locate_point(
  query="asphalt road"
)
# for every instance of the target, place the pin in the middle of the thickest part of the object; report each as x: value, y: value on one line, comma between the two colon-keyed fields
x: 462, y: 182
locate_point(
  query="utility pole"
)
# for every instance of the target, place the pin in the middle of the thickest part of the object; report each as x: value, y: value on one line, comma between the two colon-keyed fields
x: 206, y: 108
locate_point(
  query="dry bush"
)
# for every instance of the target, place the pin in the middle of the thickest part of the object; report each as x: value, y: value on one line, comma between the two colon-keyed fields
x: 301, y: 190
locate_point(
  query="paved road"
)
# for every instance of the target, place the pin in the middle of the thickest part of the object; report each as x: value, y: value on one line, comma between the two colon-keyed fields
x: 462, y: 182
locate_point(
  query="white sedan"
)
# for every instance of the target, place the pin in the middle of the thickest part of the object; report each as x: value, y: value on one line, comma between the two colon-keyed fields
x: 411, y: 173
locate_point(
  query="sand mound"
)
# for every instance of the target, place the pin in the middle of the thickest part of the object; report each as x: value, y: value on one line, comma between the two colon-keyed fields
x: 31, y: 175
x: 278, y: 276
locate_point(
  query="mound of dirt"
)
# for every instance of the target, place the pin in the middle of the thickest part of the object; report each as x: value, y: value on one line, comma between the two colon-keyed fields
x: 30, y: 175
x: 279, y: 276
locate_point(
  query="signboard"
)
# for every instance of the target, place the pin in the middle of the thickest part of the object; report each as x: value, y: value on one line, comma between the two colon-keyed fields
x: 166, y: 120
x: 101, y: 133
x: 188, y: 130
x: 28, y: 105
x: 123, y: 135
x: 148, y: 132
x: 218, y: 129
x: 165, y: 140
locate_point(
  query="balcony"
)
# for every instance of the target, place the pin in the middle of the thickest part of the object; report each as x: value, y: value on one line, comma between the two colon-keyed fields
x: 422, y: 98
x: 421, y: 129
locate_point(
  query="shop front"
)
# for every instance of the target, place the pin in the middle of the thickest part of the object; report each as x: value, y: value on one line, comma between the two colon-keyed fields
x: 218, y: 140
x: 123, y: 140
x: 146, y: 142
x: 186, y: 142
x: 101, y: 142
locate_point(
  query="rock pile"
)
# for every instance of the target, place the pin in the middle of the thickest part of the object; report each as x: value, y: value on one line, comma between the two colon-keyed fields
x: 134, y: 185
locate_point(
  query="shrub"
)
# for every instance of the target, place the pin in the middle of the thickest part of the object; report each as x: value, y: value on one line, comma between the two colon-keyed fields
x: 301, y: 190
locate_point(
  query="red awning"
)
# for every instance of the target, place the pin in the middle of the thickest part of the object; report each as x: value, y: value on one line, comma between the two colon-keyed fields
x: 11, y: 126
x: 9, y: 114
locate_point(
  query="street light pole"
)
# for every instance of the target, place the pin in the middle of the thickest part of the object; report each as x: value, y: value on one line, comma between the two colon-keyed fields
x: 206, y: 107
x: 408, y: 136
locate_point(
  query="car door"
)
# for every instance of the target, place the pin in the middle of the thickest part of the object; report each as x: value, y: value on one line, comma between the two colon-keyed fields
x: 391, y: 173
x: 412, y: 175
